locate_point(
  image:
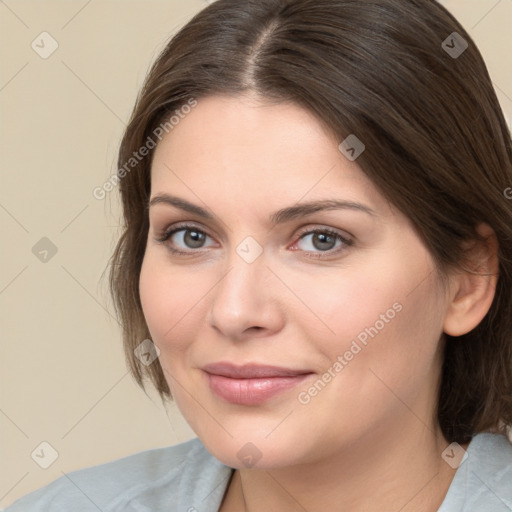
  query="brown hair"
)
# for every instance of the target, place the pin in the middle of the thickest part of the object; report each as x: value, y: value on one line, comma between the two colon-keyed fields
x: 437, y: 146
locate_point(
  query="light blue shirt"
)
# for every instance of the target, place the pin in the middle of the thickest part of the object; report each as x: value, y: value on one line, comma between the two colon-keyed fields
x: 186, y: 478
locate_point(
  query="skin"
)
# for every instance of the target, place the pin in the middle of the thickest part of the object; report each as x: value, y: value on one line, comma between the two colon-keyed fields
x: 370, y: 436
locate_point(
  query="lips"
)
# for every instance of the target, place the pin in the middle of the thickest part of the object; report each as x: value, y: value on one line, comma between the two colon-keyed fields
x: 251, y: 384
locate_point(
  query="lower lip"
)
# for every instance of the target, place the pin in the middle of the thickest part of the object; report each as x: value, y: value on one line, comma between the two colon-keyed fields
x: 252, y: 391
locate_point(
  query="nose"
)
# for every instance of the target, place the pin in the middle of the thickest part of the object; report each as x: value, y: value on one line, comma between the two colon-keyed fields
x: 246, y: 301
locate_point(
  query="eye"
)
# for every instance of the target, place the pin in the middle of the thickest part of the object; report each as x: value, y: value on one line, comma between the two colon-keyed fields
x: 184, y: 236
x: 323, y: 240
x: 187, y: 239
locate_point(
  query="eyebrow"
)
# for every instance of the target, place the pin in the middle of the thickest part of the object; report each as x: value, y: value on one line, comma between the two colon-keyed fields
x: 278, y: 217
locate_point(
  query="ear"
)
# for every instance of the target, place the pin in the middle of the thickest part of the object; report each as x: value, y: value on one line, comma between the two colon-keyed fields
x: 472, y: 289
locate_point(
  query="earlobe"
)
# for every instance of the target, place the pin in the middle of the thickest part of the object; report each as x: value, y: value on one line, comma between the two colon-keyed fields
x: 473, y: 288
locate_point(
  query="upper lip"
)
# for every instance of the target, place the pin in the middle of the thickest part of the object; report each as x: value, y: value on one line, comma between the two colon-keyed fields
x: 250, y: 371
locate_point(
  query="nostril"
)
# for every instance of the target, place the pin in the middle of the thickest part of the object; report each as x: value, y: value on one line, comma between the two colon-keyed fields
x: 254, y: 328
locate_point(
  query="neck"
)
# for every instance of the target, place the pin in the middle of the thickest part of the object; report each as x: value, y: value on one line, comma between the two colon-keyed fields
x: 394, y: 470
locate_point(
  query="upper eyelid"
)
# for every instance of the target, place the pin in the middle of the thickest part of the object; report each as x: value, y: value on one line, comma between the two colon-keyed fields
x: 177, y: 226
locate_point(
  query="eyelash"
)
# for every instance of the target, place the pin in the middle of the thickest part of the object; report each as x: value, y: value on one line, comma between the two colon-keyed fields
x: 164, y: 237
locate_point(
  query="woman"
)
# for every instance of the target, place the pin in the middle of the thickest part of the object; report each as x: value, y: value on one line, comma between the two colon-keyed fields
x: 316, y: 266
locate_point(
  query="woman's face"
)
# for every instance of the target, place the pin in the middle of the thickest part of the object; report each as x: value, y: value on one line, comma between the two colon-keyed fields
x: 349, y: 317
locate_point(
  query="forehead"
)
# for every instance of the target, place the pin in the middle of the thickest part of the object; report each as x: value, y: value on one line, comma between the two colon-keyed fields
x: 243, y: 146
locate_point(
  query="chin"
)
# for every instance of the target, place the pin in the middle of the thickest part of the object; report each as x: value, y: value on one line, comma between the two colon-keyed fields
x: 246, y: 451
x: 249, y: 455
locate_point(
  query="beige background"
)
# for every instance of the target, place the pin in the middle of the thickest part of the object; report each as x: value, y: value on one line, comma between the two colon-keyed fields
x: 63, y: 378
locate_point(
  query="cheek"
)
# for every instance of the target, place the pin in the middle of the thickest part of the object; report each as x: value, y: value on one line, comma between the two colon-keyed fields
x: 347, y: 302
x: 383, y: 317
x: 169, y: 302
x: 392, y: 345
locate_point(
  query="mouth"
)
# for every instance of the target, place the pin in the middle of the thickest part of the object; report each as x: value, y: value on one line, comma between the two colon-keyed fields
x: 251, y: 384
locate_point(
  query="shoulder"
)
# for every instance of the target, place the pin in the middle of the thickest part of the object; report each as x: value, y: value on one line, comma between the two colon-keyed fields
x: 147, y: 480
x: 483, y: 481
